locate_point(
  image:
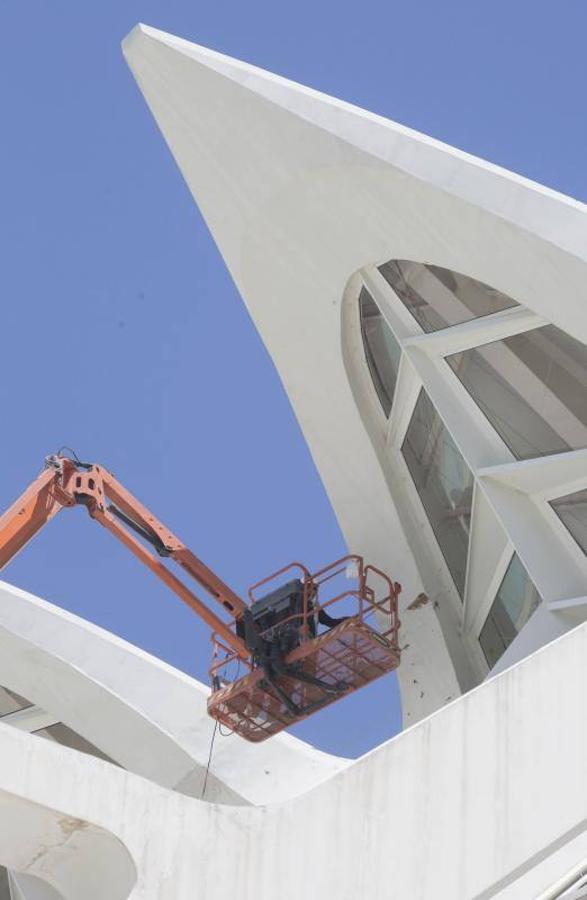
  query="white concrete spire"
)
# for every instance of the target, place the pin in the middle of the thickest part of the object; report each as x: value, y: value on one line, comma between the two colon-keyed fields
x: 305, y: 196
x: 294, y: 210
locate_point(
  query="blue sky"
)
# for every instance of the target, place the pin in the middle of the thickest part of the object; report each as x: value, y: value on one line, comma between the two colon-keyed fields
x: 123, y: 335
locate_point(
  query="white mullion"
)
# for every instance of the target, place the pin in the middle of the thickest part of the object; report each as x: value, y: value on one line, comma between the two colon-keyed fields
x: 554, y: 566
x: 570, y: 604
x: 478, y: 442
x: 547, y: 477
x: 488, y: 542
x: 466, y: 597
x: 564, y: 489
x: 407, y: 390
x: 408, y: 383
x: 401, y: 322
x: 477, y: 332
x: 566, y: 486
x: 541, y: 480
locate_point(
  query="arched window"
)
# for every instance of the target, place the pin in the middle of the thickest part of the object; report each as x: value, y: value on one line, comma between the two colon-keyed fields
x: 382, y: 351
x: 438, y: 298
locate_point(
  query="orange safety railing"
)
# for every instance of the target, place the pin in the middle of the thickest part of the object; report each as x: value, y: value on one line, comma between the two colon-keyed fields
x: 361, y: 605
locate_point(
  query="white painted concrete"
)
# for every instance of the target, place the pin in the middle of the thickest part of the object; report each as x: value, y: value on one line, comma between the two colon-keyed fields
x: 483, y: 799
x: 75, y: 858
x: 144, y: 714
x: 285, y: 201
x: 304, y: 195
x: 33, y: 718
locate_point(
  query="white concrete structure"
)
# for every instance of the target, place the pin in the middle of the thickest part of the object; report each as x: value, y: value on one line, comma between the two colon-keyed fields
x: 486, y: 798
x: 308, y: 198
x: 437, y: 303
x: 77, y: 685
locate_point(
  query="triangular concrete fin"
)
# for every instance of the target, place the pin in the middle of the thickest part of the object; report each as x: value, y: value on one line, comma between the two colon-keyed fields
x: 522, y: 202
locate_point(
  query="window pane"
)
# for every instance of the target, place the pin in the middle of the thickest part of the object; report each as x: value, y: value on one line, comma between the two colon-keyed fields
x: 516, y: 600
x: 61, y: 734
x: 382, y: 351
x: 572, y: 509
x: 444, y: 484
x: 532, y: 387
x: 439, y: 297
x: 11, y: 702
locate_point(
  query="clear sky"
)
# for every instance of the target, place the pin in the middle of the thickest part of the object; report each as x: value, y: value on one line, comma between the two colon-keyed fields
x: 122, y: 333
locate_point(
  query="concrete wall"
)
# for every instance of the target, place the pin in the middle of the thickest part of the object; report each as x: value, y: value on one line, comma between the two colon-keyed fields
x: 147, y: 716
x: 486, y: 798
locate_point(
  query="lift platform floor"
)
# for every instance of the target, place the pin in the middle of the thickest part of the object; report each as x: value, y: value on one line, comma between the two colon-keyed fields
x: 347, y: 657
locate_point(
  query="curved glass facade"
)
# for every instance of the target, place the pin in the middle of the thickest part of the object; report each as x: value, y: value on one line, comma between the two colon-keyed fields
x: 438, y: 298
x: 444, y: 484
x: 532, y: 387
x: 382, y: 351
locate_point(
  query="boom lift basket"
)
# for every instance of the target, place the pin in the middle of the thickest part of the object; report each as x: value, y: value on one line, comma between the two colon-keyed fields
x: 295, y: 667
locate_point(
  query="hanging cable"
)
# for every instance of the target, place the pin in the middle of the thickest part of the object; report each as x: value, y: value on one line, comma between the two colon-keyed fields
x: 209, y: 760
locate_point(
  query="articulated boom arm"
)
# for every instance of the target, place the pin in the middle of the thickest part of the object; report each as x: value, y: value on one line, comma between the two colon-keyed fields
x: 65, y: 483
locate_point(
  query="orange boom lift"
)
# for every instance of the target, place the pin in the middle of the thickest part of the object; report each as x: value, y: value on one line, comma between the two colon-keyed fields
x: 282, y: 655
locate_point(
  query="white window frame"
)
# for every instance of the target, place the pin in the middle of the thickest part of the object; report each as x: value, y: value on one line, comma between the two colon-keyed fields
x: 517, y: 491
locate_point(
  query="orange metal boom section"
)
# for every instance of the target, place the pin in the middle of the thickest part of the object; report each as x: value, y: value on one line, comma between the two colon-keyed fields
x: 65, y: 483
x: 286, y: 669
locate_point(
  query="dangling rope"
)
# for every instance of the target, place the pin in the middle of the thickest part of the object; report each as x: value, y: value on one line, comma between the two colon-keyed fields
x: 209, y: 760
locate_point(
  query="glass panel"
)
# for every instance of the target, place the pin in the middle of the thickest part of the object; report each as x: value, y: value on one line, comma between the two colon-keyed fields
x: 381, y: 350
x: 572, y: 509
x: 532, y: 387
x: 439, y: 297
x: 61, y: 734
x: 515, y: 601
x: 11, y: 702
x: 444, y: 484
